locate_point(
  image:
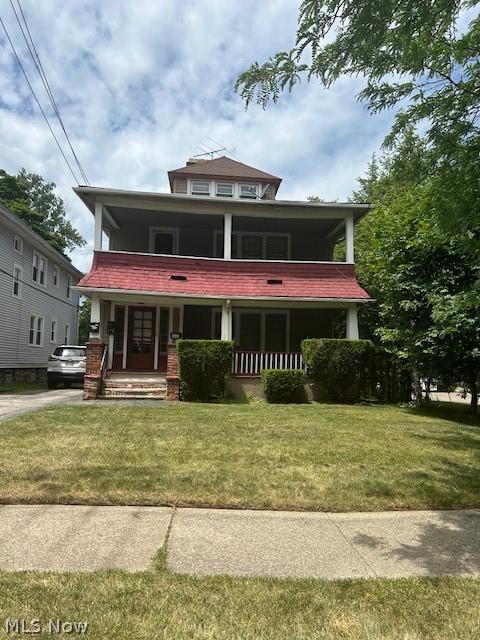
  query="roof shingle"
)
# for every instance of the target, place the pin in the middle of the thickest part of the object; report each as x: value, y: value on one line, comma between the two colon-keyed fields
x: 215, y: 278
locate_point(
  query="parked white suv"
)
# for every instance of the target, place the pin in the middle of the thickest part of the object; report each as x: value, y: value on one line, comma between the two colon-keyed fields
x: 66, y: 365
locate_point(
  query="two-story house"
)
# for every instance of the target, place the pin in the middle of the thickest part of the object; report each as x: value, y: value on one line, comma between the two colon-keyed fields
x: 218, y: 257
x: 38, y: 304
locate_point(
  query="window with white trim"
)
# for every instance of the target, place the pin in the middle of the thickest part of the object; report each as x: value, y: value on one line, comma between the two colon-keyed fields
x: 35, y: 336
x: 200, y: 187
x: 252, y: 330
x: 67, y: 334
x: 17, y: 281
x: 248, y: 191
x: 56, y: 276
x: 18, y: 244
x: 224, y: 190
x: 39, y: 269
x: 53, y: 330
x: 69, y: 287
x: 256, y: 246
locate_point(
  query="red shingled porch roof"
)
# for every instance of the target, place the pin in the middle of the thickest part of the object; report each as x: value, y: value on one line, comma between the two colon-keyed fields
x: 177, y: 276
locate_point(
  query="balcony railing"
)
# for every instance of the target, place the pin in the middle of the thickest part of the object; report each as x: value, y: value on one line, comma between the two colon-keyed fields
x: 251, y: 363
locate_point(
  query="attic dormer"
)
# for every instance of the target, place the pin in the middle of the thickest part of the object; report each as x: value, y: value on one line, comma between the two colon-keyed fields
x: 223, y: 178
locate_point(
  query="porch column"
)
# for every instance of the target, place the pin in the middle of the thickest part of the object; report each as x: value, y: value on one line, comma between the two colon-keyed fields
x: 352, y: 323
x: 97, y: 244
x: 227, y: 236
x: 226, y: 332
x: 349, y: 239
x: 94, y: 334
x: 111, y: 336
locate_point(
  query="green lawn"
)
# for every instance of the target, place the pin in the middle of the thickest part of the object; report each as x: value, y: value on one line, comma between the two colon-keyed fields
x: 310, y: 457
x: 157, y: 604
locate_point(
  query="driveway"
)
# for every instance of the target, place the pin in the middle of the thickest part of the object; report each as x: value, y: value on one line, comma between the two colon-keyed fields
x: 14, y: 404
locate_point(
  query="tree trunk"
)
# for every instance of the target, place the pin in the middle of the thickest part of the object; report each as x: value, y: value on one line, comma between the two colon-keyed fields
x: 474, y: 400
x: 417, y: 388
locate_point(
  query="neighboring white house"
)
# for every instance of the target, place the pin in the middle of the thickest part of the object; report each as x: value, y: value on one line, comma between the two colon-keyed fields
x: 38, y: 306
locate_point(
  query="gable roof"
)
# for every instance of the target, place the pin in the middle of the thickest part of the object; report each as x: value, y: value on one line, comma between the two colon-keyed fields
x: 223, y: 167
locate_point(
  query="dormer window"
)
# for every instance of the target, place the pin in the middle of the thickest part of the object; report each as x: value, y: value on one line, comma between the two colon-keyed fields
x: 200, y: 188
x: 224, y: 190
x: 248, y: 191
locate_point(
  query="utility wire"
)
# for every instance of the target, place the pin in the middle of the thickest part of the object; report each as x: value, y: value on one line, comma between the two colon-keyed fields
x: 43, y: 76
x: 38, y: 102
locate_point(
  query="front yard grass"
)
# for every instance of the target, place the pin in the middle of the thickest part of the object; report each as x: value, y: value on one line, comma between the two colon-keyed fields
x: 22, y: 387
x: 157, y: 604
x: 310, y: 457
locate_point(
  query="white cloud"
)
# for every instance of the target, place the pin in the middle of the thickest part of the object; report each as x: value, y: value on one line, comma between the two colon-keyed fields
x: 140, y: 85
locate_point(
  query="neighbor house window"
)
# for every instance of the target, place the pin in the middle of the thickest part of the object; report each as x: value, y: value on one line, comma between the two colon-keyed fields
x: 248, y: 191
x: 69, y: 287
x: 67, y: 334
x: 18, y: 244
x: 39, y: 273
x: 53, y: 330
x: 224, y: 190
x: 35, y: 337
x: 17, y: 281
x: 56, y: 277
x: 200, y: 187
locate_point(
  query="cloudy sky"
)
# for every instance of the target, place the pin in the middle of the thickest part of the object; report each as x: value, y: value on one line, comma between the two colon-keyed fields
x: 141, y: 84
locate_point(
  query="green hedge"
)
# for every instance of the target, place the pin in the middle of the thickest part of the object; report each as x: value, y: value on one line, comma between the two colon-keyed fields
x: 339, y: 367
x: 204, y: 365
x: 283, y: 385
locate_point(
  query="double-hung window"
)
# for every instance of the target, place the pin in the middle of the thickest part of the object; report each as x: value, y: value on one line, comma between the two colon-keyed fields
x: 248, y: 191
x: 224, y: 190
x: 200, y: 187
x: 18, y: 244
x: 35, y: 336
x: 53, y: 330
x: 56, y: 276
x: 17, y: 281
x: 39, y: 270
x: 69, y: 287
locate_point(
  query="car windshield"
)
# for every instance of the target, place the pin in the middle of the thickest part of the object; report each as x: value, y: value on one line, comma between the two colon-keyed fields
x: 69, y: 352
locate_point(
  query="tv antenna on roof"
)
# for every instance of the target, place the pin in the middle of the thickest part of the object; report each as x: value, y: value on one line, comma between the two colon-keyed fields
x: 208, y: 150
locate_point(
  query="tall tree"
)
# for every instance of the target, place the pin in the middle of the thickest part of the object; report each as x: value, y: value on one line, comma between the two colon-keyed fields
x: 417, y: 55
x: 34, y: 200
x: 424, y: 278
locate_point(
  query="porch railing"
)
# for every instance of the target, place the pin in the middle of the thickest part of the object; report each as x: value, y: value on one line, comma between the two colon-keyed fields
x: 253, y: 362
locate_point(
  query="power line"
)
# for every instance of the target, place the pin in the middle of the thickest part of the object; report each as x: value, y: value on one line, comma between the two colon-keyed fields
x: 38, y: 102
x: 43, y: 76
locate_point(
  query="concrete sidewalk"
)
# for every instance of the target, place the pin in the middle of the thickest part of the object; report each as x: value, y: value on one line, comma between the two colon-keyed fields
x: 241, y: 543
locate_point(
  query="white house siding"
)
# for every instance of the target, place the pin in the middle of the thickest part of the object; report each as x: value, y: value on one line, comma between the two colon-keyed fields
x: 48, y: 302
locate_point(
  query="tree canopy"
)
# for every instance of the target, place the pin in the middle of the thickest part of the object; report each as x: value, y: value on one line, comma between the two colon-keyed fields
x: 35, y: 202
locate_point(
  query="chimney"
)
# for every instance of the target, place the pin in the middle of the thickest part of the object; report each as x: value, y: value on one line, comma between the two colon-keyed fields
x: 191, y: 161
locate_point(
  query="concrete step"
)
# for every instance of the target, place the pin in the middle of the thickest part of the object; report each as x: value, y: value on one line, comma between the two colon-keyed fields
x: 135, y: 391
x: 130, y: 396
x: 134, y: 385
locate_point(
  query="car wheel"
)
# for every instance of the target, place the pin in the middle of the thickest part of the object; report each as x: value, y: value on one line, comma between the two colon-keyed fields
x: 67, y: 384
x: 51, y: 384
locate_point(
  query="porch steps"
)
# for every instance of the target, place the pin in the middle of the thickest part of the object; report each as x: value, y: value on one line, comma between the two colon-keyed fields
x: 134, y: 387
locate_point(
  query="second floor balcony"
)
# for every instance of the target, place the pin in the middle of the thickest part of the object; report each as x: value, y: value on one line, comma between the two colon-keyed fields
x: 195, y: 226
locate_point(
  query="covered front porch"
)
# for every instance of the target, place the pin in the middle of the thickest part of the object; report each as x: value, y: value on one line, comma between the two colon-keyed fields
x: 138, y: 329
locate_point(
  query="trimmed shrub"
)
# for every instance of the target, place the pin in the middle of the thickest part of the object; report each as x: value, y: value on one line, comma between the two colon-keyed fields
x: 339, y: 367
x: 283, y: 385
x: 204, y: 365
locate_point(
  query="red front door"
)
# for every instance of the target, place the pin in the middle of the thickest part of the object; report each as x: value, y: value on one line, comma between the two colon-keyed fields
x: 141, y: 338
